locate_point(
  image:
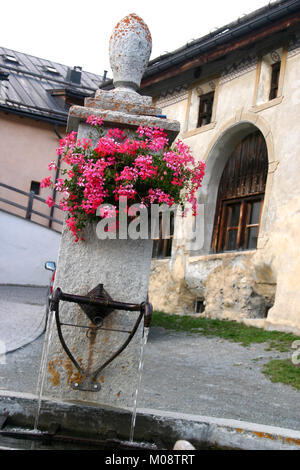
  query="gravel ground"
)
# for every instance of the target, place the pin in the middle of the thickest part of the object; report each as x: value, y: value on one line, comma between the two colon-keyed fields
x: 22, y: 316
x: 186, y: 373
x: 23, y: 294
x: 214, y: 377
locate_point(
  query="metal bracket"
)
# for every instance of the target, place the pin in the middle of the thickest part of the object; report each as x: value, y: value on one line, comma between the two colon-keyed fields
x: 97, y: 304
x: 97, y: 313
x: 87, y: 385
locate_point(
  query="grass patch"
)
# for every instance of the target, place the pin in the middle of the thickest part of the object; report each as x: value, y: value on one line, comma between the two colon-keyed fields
x: 229, y: 330
x: 284, y: 371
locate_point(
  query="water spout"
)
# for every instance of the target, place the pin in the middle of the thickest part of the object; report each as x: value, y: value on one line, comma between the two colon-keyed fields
x: 140, y: 372
x: 43, y: 368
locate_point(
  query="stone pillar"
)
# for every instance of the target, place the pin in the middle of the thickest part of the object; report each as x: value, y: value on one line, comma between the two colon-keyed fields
x: 122, y: 266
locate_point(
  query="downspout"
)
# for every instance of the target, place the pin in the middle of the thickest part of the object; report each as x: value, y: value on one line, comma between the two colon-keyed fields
x: 56, y: 175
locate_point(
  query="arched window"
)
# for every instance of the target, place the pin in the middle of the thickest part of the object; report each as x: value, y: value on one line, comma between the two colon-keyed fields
x: 240, y: 196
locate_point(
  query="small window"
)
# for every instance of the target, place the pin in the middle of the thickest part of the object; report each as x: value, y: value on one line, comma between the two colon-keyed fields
x: 269, y: 78
x: 274, y: 80
x: 205, y: 109
x: 11, y: 58
x: 35, y: 187
x: 50, y: 69
x: 162, y: 247
x: 199, y: 305
x: 73, y: 100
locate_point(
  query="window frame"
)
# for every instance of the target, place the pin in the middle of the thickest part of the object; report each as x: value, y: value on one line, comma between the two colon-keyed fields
x: 205, y: 99
x: 35, y: 187
x: 162, y: 247
x: 275, y: 75
x: 243, y: 226
x: 195, y: 91
x: 243, y: 182
x: 262, y: 100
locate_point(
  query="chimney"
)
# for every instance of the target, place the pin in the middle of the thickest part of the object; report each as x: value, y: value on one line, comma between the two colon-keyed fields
x: 74, y: 75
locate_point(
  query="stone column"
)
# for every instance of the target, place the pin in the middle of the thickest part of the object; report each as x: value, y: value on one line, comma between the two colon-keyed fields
x: 122, y: 266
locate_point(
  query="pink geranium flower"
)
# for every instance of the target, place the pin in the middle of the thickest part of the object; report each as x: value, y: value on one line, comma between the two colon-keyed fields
x: 141, y: 168
x: 46, y: 182
x: 50, y: 201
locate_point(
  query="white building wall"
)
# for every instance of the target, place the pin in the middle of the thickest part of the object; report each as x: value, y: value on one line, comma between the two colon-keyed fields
x: 24, y: 249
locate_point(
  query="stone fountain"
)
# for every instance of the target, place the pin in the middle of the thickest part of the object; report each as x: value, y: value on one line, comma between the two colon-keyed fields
x: 120, y: 265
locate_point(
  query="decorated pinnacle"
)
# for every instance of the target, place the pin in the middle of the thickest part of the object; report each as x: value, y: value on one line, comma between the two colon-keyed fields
x: 129, y: 52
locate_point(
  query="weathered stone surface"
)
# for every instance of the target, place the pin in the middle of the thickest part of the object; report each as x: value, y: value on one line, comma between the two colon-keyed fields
x: 79, y: 114
x: 231, y: 291
x: 129, y: 51
x: 226, y: 283
x: 168, y: 291
x: 154, y: 427
x: 110, y: 102
x: 123, y: 95
x: 280, y: 260
x: 122, y: 266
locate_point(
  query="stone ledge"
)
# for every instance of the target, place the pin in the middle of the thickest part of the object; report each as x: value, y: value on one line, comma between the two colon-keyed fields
x: 152, y: 426
x: 109, y: 103
x: 79, y: 114
x: 225, y: 255
x: 199, y: 130
x: 269, y: 104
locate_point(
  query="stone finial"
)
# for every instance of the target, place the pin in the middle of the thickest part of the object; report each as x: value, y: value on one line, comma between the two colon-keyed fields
x: 129, y: 51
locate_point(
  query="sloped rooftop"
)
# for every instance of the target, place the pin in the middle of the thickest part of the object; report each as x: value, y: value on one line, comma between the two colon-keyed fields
x: 30, y: 85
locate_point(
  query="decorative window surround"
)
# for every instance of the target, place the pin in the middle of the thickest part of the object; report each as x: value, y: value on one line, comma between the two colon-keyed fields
x: 192, y: 111
x: 262, y: 87
x: 199, y: 130
x: 269, y: 104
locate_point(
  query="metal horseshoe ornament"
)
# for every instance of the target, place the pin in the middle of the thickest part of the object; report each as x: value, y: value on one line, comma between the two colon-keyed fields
x: 97, y: 305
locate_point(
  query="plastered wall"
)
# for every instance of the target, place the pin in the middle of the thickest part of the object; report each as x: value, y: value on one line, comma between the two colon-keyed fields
x: 261, y: 286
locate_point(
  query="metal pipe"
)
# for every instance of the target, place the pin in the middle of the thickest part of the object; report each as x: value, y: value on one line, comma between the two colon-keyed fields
x: 99, y: 302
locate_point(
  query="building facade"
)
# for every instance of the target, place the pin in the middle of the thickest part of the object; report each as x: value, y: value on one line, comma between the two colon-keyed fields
x: 236, y: 94
x: 35, y: 97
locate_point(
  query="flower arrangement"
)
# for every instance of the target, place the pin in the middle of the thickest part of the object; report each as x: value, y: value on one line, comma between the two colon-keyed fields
x: 144, y: 169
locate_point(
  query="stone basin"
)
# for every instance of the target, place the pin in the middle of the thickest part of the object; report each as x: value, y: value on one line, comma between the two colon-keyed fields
x: 155, y: 430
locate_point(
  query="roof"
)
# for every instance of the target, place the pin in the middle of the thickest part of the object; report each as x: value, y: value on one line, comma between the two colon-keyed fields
x: 213, y: 46
x: 30, y: 86
x: 248, y: 23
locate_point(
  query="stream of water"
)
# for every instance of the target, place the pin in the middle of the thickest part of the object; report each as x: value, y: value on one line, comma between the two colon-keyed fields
x: 43, y: 368
x: 43, y: 373
x: 140, y: 372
